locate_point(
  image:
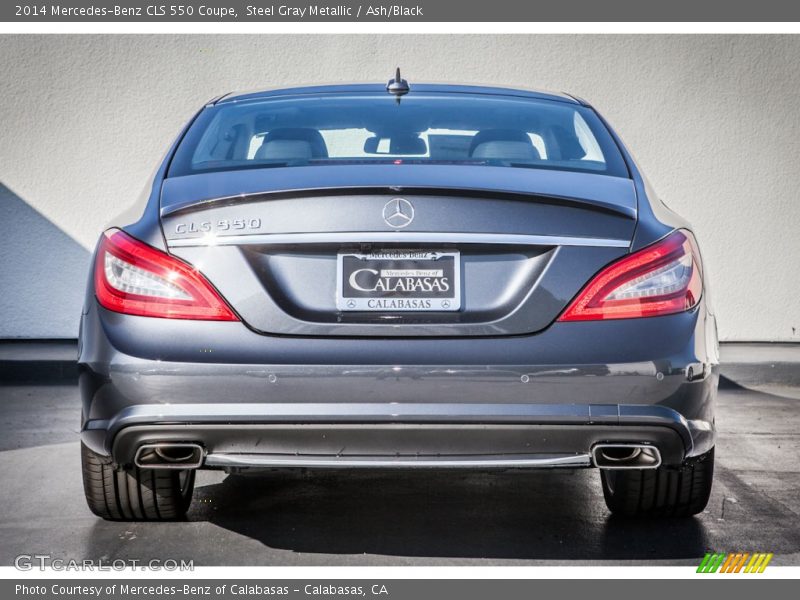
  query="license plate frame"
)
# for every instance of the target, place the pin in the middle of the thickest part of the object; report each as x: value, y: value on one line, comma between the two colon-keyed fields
x: 385, y: 268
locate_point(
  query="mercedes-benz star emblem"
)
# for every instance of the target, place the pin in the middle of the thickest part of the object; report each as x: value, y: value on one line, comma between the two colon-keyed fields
x: 398, y: 213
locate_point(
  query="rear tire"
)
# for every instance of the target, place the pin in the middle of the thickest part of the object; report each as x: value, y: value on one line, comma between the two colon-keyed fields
x: 662, y: 492
x: 134, y: 494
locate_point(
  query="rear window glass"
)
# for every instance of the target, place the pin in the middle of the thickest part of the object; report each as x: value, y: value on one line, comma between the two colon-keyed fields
x: 341, y: 129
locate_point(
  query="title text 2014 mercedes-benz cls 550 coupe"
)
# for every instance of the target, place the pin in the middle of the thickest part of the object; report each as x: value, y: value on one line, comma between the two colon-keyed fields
x: 372, y: 276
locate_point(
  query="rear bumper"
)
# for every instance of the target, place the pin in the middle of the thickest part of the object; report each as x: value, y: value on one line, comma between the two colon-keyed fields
x: 547, y: 397
x: 516, y: 438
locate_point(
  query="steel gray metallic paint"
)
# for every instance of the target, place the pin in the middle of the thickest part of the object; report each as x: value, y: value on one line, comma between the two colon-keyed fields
x: 151, y: 371
x: 287, y: 362
x: 289, y: 288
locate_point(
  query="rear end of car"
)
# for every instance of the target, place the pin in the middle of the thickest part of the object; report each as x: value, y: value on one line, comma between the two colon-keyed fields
x: 345, y: 278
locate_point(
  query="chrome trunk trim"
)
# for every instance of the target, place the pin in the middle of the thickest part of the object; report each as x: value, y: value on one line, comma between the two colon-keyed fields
x: 395, y: 237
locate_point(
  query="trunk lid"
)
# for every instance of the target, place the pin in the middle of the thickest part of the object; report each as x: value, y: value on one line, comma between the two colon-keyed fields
x: 515, y: 245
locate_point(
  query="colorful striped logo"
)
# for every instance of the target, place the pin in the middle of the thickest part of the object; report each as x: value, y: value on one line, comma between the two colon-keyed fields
x: 735, y: 562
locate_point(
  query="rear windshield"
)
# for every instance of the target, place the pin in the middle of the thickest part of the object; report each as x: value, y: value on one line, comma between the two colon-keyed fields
x: 423, y: 128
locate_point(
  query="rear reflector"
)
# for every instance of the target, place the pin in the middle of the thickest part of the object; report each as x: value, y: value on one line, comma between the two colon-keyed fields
x: 662, y: 279
x: 136, y: 279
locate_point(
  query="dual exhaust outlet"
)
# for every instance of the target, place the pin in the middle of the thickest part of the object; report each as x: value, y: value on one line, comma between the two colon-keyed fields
x: 189, y: 455
x: 167, y: 455
x: 625, y: 456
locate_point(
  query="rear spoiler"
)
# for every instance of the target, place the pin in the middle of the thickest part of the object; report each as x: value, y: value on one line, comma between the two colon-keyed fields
x: 602, y: 193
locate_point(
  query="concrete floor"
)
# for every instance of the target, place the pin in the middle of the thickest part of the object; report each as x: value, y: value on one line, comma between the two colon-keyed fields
x: 391, y: 518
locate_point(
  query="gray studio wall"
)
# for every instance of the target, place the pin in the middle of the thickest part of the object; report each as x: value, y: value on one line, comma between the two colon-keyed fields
x: 714, y: 120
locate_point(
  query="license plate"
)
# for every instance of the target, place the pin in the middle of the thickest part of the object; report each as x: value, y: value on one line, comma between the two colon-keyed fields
x: 398, y: 280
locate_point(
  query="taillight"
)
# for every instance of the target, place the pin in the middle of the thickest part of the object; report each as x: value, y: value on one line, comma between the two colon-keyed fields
x: 136, y: 279
x: 662, y: 279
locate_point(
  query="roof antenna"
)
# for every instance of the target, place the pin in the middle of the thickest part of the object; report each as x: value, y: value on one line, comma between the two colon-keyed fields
x: 398, y: 86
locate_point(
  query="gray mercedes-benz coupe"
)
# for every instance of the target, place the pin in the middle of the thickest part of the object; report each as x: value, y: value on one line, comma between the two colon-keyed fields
x: 398, y: 276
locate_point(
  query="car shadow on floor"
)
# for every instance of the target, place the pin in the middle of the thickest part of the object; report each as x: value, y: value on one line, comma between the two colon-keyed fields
x: 553, y: 515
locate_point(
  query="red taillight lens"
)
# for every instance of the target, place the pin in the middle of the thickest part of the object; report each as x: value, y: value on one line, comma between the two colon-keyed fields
x: 136, y: 279
x: 662, y: 279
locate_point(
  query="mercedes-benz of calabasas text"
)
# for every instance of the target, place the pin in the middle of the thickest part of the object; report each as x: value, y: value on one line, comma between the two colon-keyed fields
x: 398, y: 276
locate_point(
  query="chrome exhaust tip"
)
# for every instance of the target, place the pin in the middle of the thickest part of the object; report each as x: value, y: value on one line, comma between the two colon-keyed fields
x: 167, y: 455
x: 625, y: 456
